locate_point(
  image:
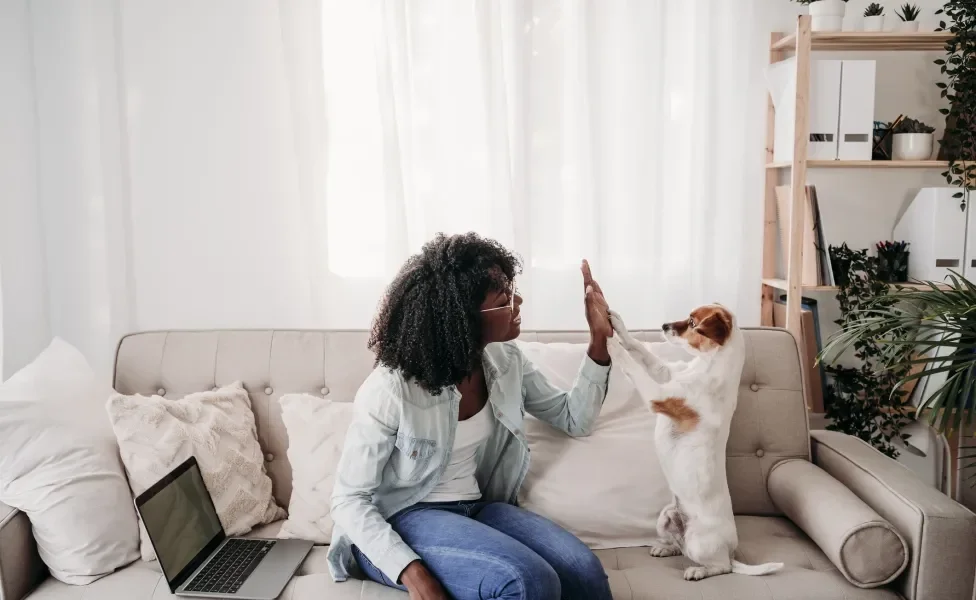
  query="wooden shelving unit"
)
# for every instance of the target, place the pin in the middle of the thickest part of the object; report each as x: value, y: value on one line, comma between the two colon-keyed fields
x: 782, y: 284
x: 802, y: 43
x: 866, y: 164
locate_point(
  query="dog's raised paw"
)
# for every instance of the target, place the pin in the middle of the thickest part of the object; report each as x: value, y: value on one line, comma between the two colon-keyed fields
x: 664, y: 551
x: 616, y: 322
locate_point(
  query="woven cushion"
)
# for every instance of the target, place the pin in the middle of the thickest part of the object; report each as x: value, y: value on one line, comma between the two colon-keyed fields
x: 156, y: 434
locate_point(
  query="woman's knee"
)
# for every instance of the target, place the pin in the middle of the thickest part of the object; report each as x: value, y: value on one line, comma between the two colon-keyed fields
x: 531, y: 580
x: 583, y: 576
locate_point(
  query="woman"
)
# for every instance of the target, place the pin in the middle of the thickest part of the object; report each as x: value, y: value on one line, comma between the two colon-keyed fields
x: 425, y: 493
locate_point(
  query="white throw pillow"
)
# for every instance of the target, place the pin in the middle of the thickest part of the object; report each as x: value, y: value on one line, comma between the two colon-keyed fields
x: 316, y: 433
x: 155, y: 435
x: 607, y: 488
x: 59, y: 464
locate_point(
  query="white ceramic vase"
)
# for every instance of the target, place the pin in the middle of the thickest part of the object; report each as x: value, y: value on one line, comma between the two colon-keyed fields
x: 875, y: 23
x: 827, y: 15
x: 912, y: 146
x: 907, y: 26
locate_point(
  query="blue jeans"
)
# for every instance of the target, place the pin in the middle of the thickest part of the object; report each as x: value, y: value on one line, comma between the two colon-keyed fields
x: 481, y: 551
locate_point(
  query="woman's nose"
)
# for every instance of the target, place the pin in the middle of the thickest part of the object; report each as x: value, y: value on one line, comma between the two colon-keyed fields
x: 518, y: 299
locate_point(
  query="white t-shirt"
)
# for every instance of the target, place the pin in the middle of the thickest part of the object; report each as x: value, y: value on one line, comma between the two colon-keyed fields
x: 458, y: 482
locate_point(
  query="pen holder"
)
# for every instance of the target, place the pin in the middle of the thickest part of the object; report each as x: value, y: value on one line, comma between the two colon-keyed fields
x: 893, y: 261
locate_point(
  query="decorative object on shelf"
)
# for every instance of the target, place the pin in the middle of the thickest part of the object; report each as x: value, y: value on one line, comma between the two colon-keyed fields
x: 874, y: 17
x: 912, y: 140
x: 927, y: 337
x: 881, y: 150
x: 909, y: 17
x: 840, y: 262
x: 958, y: 144
x: 893, y: 261
x: 863, y: 401
x: 827, y: 15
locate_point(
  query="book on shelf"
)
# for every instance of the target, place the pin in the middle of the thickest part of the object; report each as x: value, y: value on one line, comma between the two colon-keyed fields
x: 815, y: 268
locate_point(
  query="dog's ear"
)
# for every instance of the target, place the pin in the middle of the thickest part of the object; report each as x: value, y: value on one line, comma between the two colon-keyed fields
x: 717, y: 326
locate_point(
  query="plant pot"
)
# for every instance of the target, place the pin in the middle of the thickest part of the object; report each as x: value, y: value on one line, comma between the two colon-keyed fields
x: 912, y: 146
x: 827, y: 15
x: 893, y: 267
x: 875, y: 23
x: 906, y: 26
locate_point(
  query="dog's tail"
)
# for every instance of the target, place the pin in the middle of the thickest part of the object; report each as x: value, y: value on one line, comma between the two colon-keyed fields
x: 763, y: 569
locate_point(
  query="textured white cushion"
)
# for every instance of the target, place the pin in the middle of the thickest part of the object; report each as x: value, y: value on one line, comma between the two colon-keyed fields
x: 316, y: 430
x: 615, y: 469
x: 59, y: 464
x: 156, y: 434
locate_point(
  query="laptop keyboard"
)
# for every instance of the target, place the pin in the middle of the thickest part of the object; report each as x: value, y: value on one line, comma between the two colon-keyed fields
x: 227, y: 571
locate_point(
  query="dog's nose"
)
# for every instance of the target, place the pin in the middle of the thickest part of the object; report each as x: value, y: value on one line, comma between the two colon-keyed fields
x: 666, y: 327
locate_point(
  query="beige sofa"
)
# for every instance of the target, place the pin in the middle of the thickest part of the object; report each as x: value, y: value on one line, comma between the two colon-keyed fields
x: 770, y: 425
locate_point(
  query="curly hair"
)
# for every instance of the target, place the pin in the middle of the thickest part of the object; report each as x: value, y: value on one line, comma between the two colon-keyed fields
x: 429, y: 322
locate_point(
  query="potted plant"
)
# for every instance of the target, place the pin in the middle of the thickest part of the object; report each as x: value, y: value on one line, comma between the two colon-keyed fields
x: 928, y: 331
x: 912, y: 140
x: 874, y: 17
x: 827, y: 15
x: 893, y: 261
x: 909, y: 17
x: 958, y: 145
x: 864, y: 401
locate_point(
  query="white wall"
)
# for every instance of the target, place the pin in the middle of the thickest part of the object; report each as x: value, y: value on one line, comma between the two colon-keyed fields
x: 860, y: 207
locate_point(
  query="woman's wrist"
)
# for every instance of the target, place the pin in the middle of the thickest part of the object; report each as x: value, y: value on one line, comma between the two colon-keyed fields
x: 597, y: 350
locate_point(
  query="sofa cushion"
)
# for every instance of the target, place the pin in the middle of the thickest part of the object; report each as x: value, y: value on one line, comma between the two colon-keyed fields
x: 217, y: 427
x: 316, y: 434
x: 633, y: 573
x: 59, y: 465
x: 615, y: 467
x: 809, y: 575
x: 868, y: 551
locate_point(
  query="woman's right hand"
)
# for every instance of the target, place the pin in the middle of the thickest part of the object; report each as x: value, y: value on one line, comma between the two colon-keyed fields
x: 421, y: 584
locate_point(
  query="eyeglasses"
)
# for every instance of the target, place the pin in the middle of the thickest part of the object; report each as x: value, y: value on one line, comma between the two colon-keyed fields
x: 511, y: 301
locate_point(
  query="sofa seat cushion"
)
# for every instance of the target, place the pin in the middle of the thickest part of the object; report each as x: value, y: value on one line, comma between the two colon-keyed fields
x: 809, y: 574
x: 634, y: 575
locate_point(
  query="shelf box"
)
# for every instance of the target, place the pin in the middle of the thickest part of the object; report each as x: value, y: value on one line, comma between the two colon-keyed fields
x: 855, y: 137
x: 841, y: 109
x: 935, y: 228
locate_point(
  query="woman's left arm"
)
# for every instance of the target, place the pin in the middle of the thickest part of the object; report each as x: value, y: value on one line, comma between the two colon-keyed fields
x: 575, y: 411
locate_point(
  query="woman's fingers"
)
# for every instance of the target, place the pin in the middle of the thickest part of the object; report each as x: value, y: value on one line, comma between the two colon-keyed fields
x: 588, y: 280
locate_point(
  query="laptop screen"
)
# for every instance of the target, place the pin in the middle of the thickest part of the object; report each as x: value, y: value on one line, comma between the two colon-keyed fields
x: 181, y: 520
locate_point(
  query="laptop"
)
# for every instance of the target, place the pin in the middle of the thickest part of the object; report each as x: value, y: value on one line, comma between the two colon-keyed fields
x: 197, y: 558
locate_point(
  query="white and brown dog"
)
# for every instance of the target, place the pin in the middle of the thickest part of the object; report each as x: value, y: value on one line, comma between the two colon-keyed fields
x: 694, y: 401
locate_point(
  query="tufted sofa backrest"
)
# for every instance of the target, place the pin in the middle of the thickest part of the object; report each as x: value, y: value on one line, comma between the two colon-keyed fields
x: 770, y: 423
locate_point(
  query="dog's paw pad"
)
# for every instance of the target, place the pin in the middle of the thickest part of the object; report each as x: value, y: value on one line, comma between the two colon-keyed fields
x: 695, y: 573
x: 663, y: 551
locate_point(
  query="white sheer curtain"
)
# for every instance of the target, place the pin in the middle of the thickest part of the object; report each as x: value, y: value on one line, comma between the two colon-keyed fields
x: 626, y: 132
x: 245, y: 163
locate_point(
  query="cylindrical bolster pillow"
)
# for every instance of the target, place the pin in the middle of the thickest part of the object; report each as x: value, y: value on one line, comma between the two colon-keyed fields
x: 863, y: 546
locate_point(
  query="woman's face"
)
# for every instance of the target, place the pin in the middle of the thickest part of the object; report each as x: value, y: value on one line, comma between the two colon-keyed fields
x: 501, y: 319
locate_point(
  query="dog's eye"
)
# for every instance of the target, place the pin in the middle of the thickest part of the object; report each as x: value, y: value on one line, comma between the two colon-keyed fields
x: 692, y: 323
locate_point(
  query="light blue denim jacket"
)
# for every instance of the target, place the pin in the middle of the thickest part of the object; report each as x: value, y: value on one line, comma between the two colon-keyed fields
x: 400, y: 439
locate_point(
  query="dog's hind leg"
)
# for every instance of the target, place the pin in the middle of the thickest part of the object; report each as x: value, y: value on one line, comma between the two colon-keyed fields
x: 710, y: 552
x: 670, y: 531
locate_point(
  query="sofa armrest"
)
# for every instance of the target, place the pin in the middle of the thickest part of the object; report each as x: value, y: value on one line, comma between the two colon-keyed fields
x: 941, y: 533
x: 20, y: 566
